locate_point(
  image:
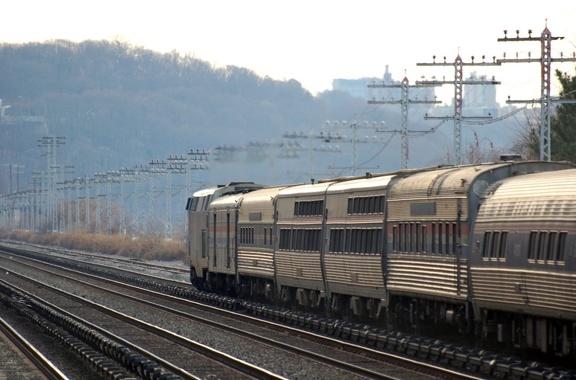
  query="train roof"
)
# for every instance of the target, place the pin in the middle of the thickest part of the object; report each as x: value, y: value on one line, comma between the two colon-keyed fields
x: 204, y: 192
x: 263, y: 195
x: 532, y: 196
x: 366, y: 183
x: 454, y: 180
x: 226, y: 201
x: 308, y: 189
x: 230, y: 188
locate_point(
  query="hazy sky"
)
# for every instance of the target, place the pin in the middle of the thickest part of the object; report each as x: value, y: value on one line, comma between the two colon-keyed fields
x: 315, y: 41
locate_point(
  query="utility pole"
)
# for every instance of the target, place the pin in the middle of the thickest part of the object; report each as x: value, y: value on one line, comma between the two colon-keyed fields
x: 336, y: 138
x: 404, y: 102
x: 545, y: 60
x: 458, y: 84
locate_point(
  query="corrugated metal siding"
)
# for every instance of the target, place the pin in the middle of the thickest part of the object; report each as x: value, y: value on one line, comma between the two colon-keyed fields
x: 432, y: 275
x: 534, y: 197
x: 257, y: 263
x: 355, y: 270
x: 304, y: 190
x: 525, y: 288
x: 439, y: 183
x: 363, y: 184
x: 299, y: 265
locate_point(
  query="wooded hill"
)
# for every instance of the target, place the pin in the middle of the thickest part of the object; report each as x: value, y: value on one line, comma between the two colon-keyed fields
x: 119, y: 105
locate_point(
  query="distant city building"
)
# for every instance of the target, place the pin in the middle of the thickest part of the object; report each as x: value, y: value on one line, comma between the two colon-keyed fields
x: 477, y: 100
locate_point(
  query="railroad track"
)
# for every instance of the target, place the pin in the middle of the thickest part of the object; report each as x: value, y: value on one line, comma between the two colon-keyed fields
x: 458, y: 357
x: 89, y: 318
x: 354, y: 359
x: 39, y: 361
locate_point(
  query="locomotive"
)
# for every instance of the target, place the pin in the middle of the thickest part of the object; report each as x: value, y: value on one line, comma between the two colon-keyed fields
x: 488, y: 248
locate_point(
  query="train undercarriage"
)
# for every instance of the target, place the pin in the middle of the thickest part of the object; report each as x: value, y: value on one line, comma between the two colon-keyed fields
x: 513, y: 332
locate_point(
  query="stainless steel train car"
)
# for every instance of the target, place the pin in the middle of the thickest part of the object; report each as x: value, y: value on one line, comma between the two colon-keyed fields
x: 523, y: 262
x: 354, y: 242
x: 300, y: 218
x: 198, y: 231
x: 409, y: 246
x: 256, y: 239
x: 430, y: 214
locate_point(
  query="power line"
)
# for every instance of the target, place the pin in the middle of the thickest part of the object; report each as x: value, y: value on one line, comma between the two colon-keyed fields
x: 545, y: 100
x: 404, y: 102
x: 458, y: 84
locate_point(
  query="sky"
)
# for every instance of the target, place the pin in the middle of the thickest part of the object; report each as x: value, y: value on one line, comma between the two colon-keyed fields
x: 316, y: 41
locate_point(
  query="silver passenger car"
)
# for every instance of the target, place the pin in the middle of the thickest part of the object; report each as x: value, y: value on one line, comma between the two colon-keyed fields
x: 430, y: 215
x: 256, y: 240
x: 523, y: 263
x: 354, y: 244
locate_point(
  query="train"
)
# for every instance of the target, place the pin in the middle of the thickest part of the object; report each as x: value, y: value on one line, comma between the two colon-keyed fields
x: 483, y: 249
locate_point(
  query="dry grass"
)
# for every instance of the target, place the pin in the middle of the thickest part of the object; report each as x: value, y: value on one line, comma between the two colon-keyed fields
x: 144, y: 248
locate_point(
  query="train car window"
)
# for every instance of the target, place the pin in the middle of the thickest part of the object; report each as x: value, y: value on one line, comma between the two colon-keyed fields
x: 228, y: 250
x: 351, y: 243
x: 447, y: 240
x: 552, y: 249
x: 454, y: 236
x: 503, y: 242
x: 495, y: 244
x: 417, y: 243
x: 433, y: 238
x: 440, y: 237
x: 406, y: 238
x: 375, y: 240
x: 395, y: 238
x: 366, y: 205
x: 561, y: 246
x: 424, y: 239
x: 204, y: 241
x: 371, y: 205
x: 346, y: 241
x: 368, y: 244
x: 336, y: 245
x: 296, y: 243
x: 362, y: 243
x: 533, y: 245
x: 543, y: 243
x: 487, y: 244
x: 308, y: 208
x: 381, y: 204
x: 285, y: 238
x: 214, y: 252
x: 400, y: 237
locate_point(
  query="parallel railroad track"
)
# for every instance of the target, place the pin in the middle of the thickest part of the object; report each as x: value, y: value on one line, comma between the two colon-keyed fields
x: 184, y: 358
x: 45, y: 366
x: 354, y: 359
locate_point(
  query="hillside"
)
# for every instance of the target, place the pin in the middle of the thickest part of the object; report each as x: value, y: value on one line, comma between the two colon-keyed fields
x: 119, y: 106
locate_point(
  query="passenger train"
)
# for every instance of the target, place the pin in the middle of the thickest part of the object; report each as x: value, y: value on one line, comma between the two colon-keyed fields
x: 488, y: 248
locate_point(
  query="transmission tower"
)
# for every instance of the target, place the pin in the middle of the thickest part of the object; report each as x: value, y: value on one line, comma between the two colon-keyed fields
x: 404, y: 102
x: 545, y: 60
x: 458, y: 84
